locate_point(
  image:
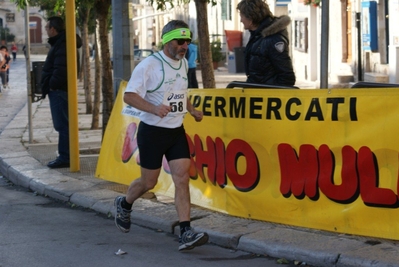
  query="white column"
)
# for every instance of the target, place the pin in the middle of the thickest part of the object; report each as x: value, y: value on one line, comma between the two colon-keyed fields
x: 313, y: 44
x: 393, y: 64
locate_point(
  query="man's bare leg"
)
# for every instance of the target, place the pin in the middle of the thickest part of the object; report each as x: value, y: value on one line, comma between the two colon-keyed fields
x: 179, y: 169
x: 137, y: 188
x: 188, y: 239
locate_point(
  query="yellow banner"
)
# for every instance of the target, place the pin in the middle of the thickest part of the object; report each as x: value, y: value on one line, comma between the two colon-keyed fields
x: 324, y: 159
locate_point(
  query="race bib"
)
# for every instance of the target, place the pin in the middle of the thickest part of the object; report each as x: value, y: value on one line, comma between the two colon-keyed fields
x: 131, y: 111
x: 177, y: 100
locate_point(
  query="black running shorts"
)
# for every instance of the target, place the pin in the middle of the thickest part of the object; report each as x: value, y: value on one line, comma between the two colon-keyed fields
x: 154, y: 142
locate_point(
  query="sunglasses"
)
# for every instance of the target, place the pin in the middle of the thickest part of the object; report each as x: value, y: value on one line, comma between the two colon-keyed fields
x: 182, y: 41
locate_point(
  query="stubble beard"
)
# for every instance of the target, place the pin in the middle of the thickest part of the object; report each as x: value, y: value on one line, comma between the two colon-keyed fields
x: 175, y: 52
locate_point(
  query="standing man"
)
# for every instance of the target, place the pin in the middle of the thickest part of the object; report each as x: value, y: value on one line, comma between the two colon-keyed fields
x: 150, y: 91
x: 54, y: 82
x: 192, y: 65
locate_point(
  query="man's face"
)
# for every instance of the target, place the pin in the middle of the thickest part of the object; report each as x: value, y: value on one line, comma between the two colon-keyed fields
x: 176, y: 51
x: 50, y: 30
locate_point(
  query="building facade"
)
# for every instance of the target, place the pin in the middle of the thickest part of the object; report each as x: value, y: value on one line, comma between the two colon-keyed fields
x: 14, y: 20
x: 363, y: 43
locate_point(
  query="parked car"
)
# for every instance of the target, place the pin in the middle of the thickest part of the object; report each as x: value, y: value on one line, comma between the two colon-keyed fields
x: 140, y: 54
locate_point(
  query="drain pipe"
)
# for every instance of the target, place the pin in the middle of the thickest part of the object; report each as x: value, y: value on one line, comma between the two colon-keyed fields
x: 359, y: 47
x: 325, y: 16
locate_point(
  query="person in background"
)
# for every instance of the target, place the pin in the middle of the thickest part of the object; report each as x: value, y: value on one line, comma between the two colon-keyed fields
x: 192, y: 65
x: 5, y: 68
x: 2, y: 62
x: 54, y: 83
x: 93, y: 52
x: 150, y: 92
x: 267, y: 59
x: 154, y: 47
x: 24, y: 49
x: 14, y: 50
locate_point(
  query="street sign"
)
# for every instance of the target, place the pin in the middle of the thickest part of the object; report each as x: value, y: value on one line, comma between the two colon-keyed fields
x: 32, y: 25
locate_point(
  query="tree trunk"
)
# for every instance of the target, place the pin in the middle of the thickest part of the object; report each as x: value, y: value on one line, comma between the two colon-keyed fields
x: 208, y: 76
x: 102, y: 11
x: 86, y: 63
x: 97, y: 85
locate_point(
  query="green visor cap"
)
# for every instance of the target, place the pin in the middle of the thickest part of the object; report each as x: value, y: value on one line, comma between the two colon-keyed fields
x: 180, y: 33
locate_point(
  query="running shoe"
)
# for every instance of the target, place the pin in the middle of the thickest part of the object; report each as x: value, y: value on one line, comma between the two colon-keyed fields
x: 122, y: 216
x: 190, y: 239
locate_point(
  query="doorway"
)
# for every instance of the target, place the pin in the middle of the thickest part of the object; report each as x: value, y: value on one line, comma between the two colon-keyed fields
x: 346, y: 11
x: 35, y: 30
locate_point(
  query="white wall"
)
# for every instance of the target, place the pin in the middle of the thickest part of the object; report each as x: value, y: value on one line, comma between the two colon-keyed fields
x: 17, y: 27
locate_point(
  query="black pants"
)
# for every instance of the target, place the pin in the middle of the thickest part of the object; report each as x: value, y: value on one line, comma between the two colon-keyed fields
x: 192, y: 78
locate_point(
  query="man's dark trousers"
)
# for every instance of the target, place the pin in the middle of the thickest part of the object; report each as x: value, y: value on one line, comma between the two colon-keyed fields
x: 59, y: 113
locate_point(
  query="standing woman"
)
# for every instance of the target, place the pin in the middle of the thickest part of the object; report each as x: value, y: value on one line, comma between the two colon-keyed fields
x: 267, y: 59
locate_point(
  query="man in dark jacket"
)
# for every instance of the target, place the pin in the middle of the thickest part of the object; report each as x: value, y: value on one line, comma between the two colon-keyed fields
x: 267, y: 59
x: 54, y: 83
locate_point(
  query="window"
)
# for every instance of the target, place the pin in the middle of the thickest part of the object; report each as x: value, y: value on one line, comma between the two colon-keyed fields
x: 226, y: 9
x: 301, y: 35
x: 10, y: 17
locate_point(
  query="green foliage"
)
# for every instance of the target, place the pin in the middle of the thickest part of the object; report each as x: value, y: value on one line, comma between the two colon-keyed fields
x: 52, y: 7
x: 216, y: 50
x: 6, y: 35
x: 57, y: 8
x: 315, y: 3
x: 43, y: 4
x: 86, y: 6
x: 19, y: 3
x: 169, y: 4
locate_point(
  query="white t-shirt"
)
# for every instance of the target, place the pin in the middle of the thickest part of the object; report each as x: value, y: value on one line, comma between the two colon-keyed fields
x: 160, y: 79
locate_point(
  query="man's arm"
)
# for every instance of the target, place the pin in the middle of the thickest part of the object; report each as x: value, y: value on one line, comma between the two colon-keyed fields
x: 134, y: 100
x: 198, y: 115
x: 2, y: 59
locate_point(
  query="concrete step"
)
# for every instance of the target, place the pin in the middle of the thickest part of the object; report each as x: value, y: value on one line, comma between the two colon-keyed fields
x: 376, y: 77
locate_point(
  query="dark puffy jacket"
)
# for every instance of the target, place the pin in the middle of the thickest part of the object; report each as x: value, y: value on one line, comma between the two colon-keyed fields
x: 54, y: 71
x: 267, y: 59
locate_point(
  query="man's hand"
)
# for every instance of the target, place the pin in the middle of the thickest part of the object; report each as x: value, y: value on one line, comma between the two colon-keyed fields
x: 161, y: 110
x: 198, y: 115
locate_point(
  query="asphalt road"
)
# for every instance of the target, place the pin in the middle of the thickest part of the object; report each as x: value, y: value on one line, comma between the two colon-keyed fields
x: 38, y: 231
